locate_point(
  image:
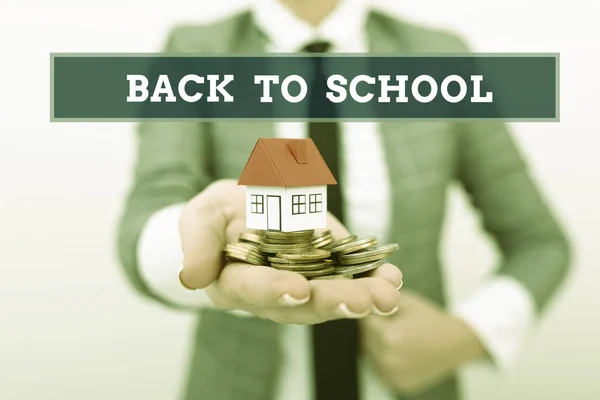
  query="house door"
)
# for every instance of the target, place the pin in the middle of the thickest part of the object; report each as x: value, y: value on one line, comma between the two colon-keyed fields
x: 274, y: 213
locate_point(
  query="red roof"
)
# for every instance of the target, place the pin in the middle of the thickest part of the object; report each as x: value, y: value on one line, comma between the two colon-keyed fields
x: 286, y: 162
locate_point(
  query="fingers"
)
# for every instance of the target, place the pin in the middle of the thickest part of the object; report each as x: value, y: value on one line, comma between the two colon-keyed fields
x: 389, y: 273
x: 385, y: 298
x: 202, y: 240
x: 329, y: 300
x: 338, y: 299
x: 353, y: 298
x: 287, y: 297
x: 252, y: 287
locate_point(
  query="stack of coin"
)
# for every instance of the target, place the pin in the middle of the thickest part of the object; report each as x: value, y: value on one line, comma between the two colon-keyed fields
x: 313, y: 255
x: 247, y: 252
x: 311, y: 263
x: 321, y: 240
x: 286, y: 242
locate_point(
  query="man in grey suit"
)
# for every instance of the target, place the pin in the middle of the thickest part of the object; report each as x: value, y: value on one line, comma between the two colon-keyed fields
x: 252, y: 340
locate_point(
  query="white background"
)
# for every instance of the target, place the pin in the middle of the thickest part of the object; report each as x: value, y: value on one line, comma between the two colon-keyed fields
x: 71, y: 328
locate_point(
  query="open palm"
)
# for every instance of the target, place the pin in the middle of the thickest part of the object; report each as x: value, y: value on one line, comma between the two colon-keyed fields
x: 217, y: 216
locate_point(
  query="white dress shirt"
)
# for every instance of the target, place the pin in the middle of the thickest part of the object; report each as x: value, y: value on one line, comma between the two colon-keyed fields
x: 499, y: 312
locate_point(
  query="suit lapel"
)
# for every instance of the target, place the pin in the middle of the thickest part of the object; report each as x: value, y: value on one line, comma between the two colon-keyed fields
x: 383, y: 42
x: 248, y: 38
x: 399, y: 157
x: 417, y: 155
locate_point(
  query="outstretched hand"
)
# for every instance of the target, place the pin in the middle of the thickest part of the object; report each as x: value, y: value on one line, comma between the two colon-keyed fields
x: 217, y: 216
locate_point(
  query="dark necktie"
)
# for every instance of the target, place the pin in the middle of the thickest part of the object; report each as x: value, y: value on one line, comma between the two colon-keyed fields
x: 334, y: 342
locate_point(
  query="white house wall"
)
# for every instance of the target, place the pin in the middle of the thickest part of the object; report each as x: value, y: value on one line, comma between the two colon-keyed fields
x: 289, y: 222
x: 259, y: 221
x: 308, y: 220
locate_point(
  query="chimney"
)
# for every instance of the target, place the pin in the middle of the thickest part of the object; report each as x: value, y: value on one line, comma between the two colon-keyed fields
x: 298, y: 148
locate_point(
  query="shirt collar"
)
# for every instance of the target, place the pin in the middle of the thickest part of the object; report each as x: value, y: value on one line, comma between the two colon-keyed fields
x: 343, y: 28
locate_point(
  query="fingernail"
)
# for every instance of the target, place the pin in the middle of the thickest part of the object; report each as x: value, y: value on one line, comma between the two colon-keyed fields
x: 288, y: 300
x: 180, y: 281
x: 344, y: 311
x: 377, y: 311
x: 401, y: 283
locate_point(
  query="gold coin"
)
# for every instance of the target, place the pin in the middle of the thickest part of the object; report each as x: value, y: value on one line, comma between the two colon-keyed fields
x: 284, y: 235
x: 321, y: 232
x: 338, y: 243
x: 244, y: 248
x: 363, y: 259
x: 230, y: 248
x: 310, y: 255
x: 277, y: 248
x: 278, y: 260
x: 320, y: 235
x: 329, y: 277
x: 300, y: 267
x: 369, y: 254
x: 244, y: 245
x: 371, y: 251
x: 354, y: 246
x: 320, y: 272
x: 322, y: 242
x: 251, y: 237
x: 244, y: 257
x: 287, y: 241
x: 358, y: 269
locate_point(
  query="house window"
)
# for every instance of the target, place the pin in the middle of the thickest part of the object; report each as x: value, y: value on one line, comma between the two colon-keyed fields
x: 315, y: 203
x: 256, y: 204
x: 298, y: 204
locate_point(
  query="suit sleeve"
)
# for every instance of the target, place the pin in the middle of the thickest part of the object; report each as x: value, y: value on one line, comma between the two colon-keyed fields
x: 534, y: 248
x: 170, y: 169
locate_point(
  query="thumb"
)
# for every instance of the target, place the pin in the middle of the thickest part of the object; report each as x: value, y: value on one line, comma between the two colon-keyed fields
x: 202, y: 230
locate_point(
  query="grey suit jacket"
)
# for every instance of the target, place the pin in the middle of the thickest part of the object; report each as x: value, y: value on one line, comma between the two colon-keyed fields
x: 240, y: 358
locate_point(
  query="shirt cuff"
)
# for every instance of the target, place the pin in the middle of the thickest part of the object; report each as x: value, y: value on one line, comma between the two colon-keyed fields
x: 159, y: 258
x: 501, y: 313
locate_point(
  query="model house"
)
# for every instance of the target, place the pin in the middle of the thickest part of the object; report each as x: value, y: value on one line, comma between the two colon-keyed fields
x: 286, y: 186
